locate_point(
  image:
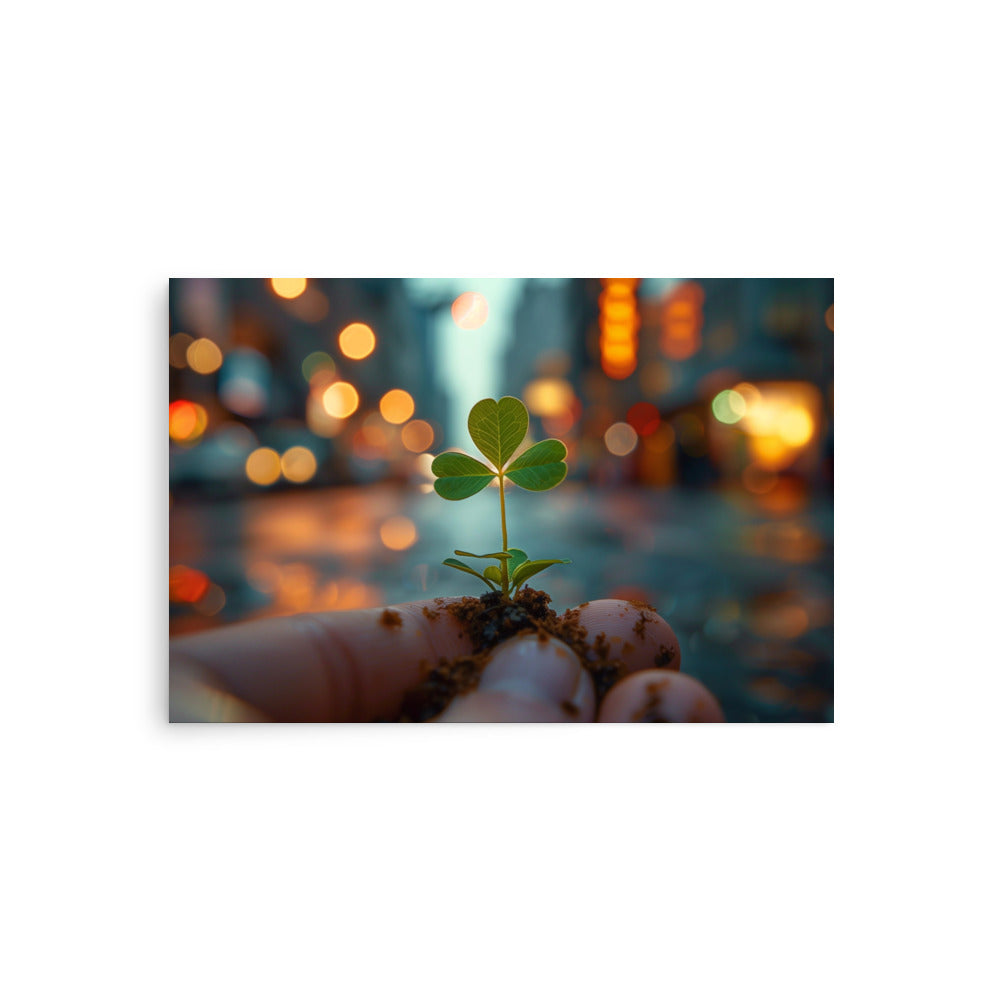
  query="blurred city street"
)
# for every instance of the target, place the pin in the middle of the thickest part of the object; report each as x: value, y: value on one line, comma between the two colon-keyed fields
x: 747, y: 589
x: 696, y: 416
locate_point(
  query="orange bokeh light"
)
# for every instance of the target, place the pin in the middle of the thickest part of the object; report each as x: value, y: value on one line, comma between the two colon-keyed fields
x: 417, y: 436
x: 470, y: 310
x: 263, y: 466
x: 396, y: 406
x: 187, y: 421
x: 288, y: 288
x: 187, y: 585
x: 398, y: 533
x: 357, y: 341
x: 340, y: 399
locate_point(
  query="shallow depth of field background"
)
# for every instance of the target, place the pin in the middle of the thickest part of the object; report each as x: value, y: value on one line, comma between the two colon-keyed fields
x: 698, y: 416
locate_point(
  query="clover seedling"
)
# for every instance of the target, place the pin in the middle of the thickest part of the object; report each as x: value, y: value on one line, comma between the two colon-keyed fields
x: 497, y: 429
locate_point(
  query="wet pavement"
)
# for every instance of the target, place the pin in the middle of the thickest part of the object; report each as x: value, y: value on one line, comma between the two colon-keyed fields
x: 746, y: 582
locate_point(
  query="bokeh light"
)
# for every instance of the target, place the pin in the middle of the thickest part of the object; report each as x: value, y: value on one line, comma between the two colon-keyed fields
x: 212, y: 601
x: 187, y: 585
x: 644, y: 417
x: 470, y: 310
x: 398, y: 533
x: 795, y: 426
x: 318, y: 365
x: 263, y: 466
x: 396, y: 406
x: 298, y: 464
x: 341, y: 399
x: 417, y: 436
x: 548, y: 397
x: 729, y: 406
x: 310, y: 307
x: 187, y: 421
x: 288, y: 288
x: 204, y: 356
x: 356, y: 341
x: 620, y: 439
x: 828, y: 317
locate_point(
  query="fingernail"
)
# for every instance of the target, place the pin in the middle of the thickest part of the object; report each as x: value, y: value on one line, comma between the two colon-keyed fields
x: 539, y: 669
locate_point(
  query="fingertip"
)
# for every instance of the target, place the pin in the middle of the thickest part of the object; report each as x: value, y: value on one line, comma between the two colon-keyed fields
x: 660, y: 696
x: 635, y: 634
x: 531, y: 678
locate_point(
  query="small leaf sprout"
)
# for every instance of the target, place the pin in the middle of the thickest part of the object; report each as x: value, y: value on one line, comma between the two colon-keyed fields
x: 497, y: 429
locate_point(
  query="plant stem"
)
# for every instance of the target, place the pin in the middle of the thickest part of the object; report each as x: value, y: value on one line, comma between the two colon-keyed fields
x: 503, y: 528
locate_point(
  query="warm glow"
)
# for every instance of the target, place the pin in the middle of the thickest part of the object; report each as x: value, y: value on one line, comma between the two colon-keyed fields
x: 795, y: 426
x: 263, y: 466
x: 187, y: 585
x: 620, y: 439
x: 356, y: 341
x: 288, y: 288
x: 318, y: 420
x: 619, y: 324
x: 204, y: 356
x: 644, y: 417
x: 548, y: 397
x: 398, y: 533
x: 828, y: 316
x: 470, y: 310
x: 298, y: 464
x: 681, y: 321
x: 417, y: 435
x: 340, y: 400
x: 396, y: 406
x: 187, y: 421
x: 179, y: 344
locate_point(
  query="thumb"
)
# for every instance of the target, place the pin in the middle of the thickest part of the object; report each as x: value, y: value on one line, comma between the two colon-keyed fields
x: 528, y: 679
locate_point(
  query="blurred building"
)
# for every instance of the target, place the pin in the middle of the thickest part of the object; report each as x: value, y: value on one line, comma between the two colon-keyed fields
x: 336, y: 374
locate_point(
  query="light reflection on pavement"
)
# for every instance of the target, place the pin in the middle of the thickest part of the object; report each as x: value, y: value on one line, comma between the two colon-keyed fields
x: 749, y: 591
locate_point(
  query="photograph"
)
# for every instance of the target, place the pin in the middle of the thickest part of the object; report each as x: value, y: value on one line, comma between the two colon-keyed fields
x: 501, y: 500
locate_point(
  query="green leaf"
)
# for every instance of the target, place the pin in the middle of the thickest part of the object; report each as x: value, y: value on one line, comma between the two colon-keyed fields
x: 492, y: 573
x: 497, y: 428
x: 459, y: 476
x: 458, y: 564
x: 532, y: 567
x: 517, y: 556
x: 541, y: 467
x: 489, y: 555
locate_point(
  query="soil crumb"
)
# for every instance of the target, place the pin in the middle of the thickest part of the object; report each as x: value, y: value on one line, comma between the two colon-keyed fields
x: 489, y: 620
x: 430, y: 613
x: 664, y: 656
x: 391, y: 619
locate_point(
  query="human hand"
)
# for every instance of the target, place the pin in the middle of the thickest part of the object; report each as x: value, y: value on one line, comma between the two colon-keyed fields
x: 350, y: 666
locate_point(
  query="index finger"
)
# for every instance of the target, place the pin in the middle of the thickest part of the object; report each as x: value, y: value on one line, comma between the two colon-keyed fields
x: 334, y: 666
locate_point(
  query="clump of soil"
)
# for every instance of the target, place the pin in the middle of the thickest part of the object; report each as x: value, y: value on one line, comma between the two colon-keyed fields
x: 391, y: 619
x: 490, y: 619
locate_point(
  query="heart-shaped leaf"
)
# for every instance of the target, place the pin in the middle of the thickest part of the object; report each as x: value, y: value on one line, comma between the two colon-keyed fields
x: 541, y: 467
x: 489, y: 555
x: 459, y: 476
x: 497, y: 428
x: 529, y: 569
x: 492, y: 573
x: 517, y: 556
x: 458, y: 564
